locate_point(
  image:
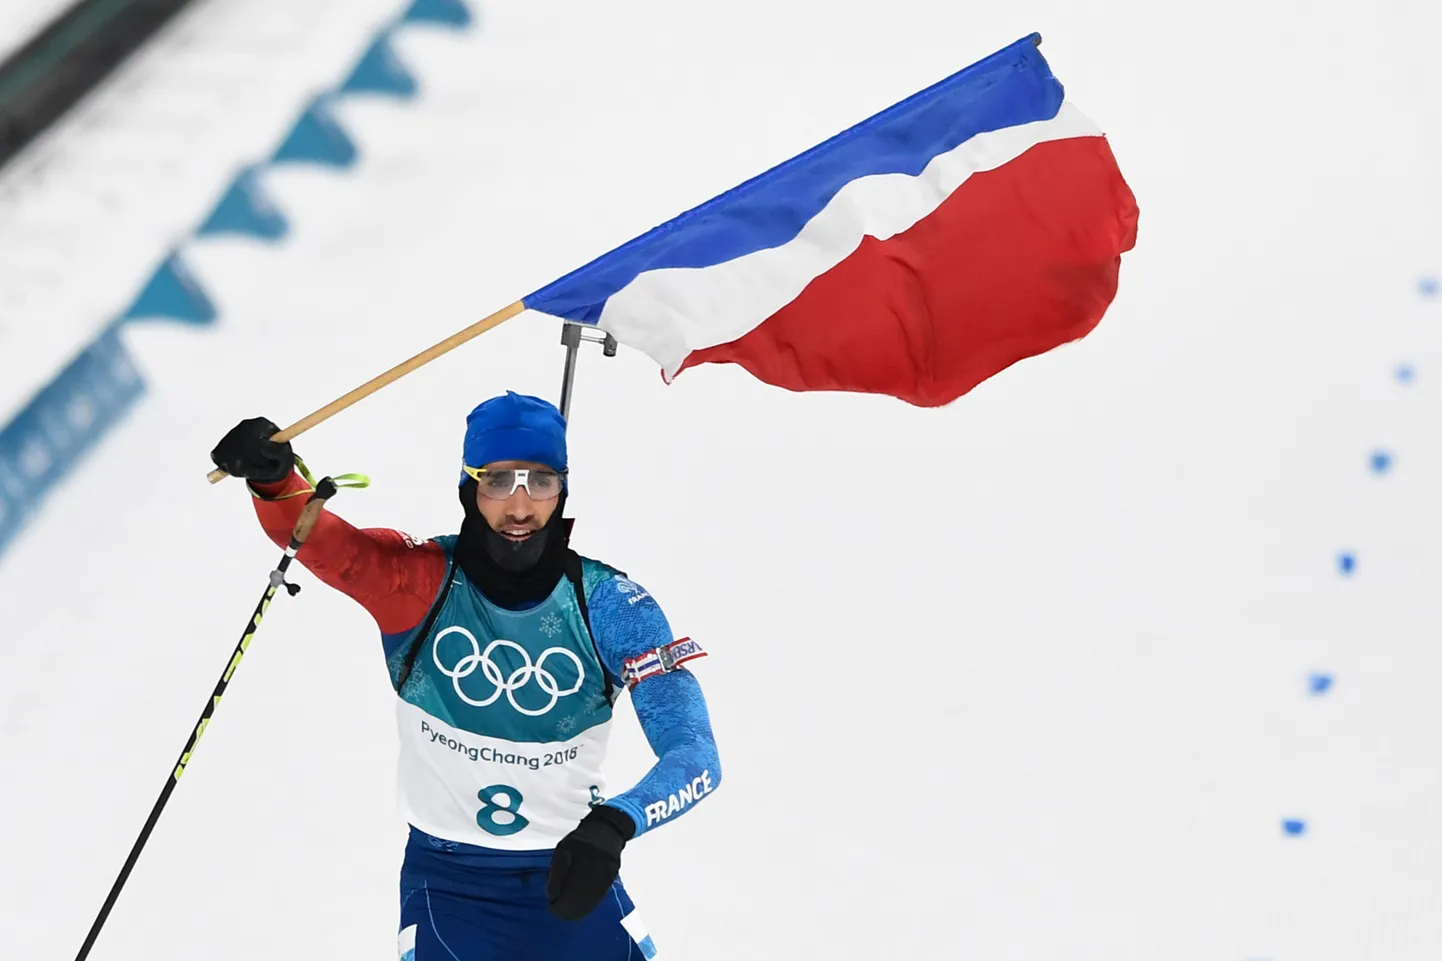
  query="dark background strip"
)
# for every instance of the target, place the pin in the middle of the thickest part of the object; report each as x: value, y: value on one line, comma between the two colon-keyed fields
x: 68, y: 59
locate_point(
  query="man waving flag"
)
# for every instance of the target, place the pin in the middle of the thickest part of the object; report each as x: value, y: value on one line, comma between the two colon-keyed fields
x: 973, y: 225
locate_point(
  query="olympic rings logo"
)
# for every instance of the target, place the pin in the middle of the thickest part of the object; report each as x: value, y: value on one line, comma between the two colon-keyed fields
x: 506, y: 684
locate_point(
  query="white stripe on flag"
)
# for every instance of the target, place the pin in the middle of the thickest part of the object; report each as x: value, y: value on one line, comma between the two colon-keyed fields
x: 669, y: 313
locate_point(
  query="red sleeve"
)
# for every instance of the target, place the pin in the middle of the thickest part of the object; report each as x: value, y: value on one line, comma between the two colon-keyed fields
x: 393, y: 576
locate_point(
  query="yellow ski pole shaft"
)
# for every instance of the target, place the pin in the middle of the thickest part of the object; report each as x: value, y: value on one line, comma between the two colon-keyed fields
x: 324, y: 490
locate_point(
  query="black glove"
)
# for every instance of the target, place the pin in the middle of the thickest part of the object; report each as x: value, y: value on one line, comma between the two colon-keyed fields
x: 587, y: 861
x: 248, y: 452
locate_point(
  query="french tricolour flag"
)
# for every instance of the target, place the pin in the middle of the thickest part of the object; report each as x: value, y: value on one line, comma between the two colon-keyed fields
x: 975, y: 224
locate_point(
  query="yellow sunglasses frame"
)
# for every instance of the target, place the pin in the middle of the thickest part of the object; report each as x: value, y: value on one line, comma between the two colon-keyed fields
x: 475, y: 474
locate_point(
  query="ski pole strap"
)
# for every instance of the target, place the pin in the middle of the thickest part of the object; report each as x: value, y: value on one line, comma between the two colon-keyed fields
x: 662, y: 660
x: 356, y: 481
x: 339, y: 480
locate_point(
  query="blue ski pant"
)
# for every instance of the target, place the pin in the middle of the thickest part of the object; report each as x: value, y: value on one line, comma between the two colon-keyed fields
x: 463, y: 912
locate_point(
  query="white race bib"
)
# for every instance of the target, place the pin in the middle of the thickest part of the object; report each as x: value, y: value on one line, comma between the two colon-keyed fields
x: 514, y: 796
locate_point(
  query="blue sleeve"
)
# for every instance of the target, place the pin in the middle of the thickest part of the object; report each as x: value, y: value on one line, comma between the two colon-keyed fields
x: 626, y: 621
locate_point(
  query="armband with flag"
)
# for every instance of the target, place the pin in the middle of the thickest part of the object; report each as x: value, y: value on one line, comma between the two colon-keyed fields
x: 661, y: 660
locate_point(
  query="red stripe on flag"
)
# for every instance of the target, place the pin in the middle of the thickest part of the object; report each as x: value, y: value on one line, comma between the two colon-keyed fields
x: 1018, y: 261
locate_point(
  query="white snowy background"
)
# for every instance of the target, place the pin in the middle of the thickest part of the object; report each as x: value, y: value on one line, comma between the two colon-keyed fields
x: 1046, y: 696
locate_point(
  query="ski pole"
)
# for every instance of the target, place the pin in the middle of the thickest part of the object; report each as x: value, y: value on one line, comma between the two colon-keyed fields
x: 324, y: 491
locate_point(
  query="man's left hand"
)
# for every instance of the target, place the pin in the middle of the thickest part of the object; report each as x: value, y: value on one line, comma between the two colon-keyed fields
x: 587, y: 861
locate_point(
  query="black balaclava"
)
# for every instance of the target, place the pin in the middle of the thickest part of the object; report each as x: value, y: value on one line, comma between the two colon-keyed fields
x: 511, y: 574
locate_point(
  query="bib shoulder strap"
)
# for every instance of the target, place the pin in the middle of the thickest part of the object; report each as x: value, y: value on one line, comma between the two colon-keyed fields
x: 576, y: 575
x: 425, y: 629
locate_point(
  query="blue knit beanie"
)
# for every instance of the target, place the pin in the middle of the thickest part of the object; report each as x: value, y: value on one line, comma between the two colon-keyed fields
x: 515, y: 427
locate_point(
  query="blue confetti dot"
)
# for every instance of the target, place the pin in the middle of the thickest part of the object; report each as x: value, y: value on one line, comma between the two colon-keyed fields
x: 1428, y: 286
x: 1406, y: 373
x: 1294, y: 826
x: 1381, y: 462
x: 1347, y: 563
x: 1319, y: 683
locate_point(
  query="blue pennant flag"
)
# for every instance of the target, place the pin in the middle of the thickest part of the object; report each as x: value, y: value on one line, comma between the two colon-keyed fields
x: 246, y: 210
x: 381, y: 71
x: 317, y: 138
x: 453, y: 13
x: 172, y: 293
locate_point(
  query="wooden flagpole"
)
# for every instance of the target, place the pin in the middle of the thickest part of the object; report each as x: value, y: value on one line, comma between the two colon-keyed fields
x: 390, y: 376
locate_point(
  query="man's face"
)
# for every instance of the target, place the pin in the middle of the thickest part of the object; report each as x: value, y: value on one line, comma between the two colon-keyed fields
x: 518, y: 515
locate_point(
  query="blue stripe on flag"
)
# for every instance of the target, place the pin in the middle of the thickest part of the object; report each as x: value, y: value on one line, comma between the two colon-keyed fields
x: 1011, y: 87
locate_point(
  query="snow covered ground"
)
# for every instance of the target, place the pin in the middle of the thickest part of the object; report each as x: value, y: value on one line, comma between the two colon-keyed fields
x: 1050, y: 698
